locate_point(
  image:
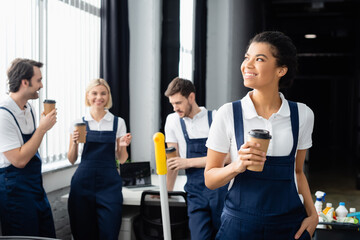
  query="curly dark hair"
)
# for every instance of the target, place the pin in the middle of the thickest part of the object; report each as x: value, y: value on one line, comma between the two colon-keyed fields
x: 283, y: 50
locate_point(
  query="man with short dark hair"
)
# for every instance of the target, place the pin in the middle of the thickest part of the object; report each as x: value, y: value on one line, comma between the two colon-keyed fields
x: 24, y: 207
x: 187, y: 130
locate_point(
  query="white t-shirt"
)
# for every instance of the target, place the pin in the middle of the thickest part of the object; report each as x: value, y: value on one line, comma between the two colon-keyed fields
x: 197, y: 127
x: 10, y: 135
x: 222, y: 136
x: 105, y: 124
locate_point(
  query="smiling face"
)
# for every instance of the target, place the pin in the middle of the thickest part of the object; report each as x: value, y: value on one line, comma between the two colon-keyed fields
x: 34, y: 85
x: 98, y: 96
x: 181, y: 105
x: 259, y: 68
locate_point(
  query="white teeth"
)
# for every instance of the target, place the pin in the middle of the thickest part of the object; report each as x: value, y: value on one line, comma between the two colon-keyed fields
x: 250, y: 74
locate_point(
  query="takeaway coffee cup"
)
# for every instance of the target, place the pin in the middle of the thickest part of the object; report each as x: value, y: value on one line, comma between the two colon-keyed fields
x: 49, y: 105
x: 262, y: 137
x: 170, y: 152
x: 81, y: 127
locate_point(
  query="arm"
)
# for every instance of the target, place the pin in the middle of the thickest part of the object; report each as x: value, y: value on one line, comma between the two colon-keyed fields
x: 311, y: 221
x: 73, y: 147
x: 179, y: 163
x: 216, y: 175
x: 19, y: 157
x: 122, y: 144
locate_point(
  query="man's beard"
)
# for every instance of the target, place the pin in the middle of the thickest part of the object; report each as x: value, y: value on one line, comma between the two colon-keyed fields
x: 187, y: 113
x: 34, y: 95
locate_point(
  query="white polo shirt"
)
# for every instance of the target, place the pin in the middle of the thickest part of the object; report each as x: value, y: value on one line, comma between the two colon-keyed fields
x: 197, y: 127
x: 10, y: 135
x: 222, y: 136
x: 105, y: 124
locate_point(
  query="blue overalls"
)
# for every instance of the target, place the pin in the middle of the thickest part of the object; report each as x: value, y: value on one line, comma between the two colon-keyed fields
x: 204, y: 205
x: 264, y: 205
x: 95, y: 199
x: 24, y: 207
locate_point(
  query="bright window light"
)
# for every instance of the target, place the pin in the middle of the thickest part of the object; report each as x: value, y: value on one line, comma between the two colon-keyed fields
x: 65, y: 36
x: 186, y: 39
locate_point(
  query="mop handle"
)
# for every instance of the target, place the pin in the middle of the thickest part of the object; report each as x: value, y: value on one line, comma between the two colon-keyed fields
x: 161, y: 170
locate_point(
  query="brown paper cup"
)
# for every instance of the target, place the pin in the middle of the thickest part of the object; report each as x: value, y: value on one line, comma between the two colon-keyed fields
x: 170, y: 152
x: 81, y: 127
x: 49, y: 105
x: 263, y: 138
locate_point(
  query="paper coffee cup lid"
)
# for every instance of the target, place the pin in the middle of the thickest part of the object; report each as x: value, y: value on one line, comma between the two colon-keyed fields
x: 80, y: 124
x: 170, y: 149
x: 49, y: 101
x: 260, y: 133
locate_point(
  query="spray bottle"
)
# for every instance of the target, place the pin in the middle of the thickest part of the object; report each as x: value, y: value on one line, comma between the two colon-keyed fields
x: 320, y: 198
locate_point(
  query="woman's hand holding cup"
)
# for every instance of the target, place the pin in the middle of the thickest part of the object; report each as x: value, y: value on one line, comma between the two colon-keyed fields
x: 250, y: 155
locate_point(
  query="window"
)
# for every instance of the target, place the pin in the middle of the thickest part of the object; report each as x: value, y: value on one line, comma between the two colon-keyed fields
x: 186, y: 39
x: 19, y: 31
x: 65, y: 36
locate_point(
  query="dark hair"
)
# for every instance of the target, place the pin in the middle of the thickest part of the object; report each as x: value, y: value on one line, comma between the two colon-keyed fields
x: 179, y: 85
x: 283, y: 50
x: 20, y: 69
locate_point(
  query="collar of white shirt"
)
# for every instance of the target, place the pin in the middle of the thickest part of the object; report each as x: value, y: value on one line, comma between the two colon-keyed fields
x: 198, y: 115
x: 107, y: 117
x: 9, y: 103
x: 249, y: 110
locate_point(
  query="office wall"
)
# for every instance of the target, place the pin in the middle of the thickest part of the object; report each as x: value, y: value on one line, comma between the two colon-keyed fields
x: 145, y: 32
x: 229, y: 30
x: 231, y: 23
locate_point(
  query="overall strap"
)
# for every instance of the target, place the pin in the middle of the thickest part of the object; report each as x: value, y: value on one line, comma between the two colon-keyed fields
x: 32, y: 114
x: 238, y: 123
x: 210, y: 118
x: 115, y: 124
x: 294, y: 115
x: 183, y: 127
x: 14, y: 118
x: 87, y: 125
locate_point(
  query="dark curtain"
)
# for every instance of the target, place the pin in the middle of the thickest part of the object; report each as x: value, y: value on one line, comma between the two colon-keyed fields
x: 170, y: 51
x: 114, y: 54
x: 200, y: 51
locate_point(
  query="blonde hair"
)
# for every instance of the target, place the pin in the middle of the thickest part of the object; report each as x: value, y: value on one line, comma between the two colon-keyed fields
x: 94, y: 83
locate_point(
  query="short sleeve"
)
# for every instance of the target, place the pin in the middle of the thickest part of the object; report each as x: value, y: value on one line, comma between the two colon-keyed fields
x: 170, y: 134
x: 9, y: 134
x: 306, y: 119
x: 219, y: 139
x: 121, y: 131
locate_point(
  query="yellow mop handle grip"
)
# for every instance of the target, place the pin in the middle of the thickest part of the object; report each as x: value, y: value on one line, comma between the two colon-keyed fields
x: 160, y: 155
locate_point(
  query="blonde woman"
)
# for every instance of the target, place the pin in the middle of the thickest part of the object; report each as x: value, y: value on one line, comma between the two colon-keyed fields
x: 95, y: 200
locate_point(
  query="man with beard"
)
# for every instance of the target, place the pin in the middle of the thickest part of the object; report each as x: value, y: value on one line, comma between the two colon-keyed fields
x: 24, y: 207
x: 187, y: 130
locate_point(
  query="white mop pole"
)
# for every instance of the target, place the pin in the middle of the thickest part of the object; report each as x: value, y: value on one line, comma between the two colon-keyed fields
x: 161, y: 170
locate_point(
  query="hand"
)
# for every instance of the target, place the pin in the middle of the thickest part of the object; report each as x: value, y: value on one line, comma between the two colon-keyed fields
x: 75, y: 136
x: 48, y: 121
x: 248, y: 155
x: 177, y: 163
x: 309, y: 224
x: 125, y: 140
